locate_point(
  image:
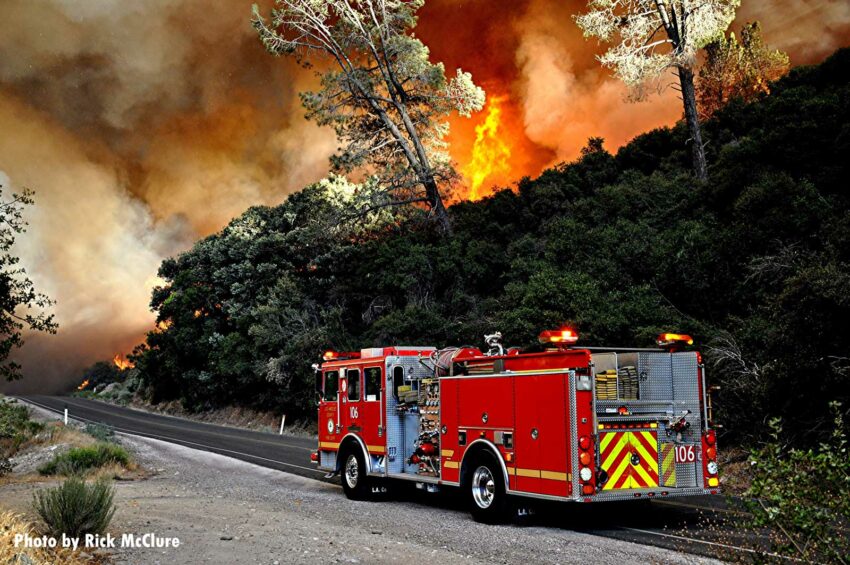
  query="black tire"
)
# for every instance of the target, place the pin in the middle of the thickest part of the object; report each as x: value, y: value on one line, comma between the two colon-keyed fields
x: 355, y: 482
x: 484, y: 490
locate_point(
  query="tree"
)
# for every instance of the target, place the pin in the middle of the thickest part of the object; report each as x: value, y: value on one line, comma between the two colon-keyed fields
x: 18, y: 296
x: 379, y: 92
x: 654, y: 35
x: 738, y: 69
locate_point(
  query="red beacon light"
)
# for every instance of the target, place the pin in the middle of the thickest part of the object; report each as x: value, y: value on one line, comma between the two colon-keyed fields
x: 330, y: 355
x: 673, y: 341
x: 561, y: 337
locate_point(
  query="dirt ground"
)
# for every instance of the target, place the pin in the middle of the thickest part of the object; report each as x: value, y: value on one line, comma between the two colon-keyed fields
x: 227, y: 511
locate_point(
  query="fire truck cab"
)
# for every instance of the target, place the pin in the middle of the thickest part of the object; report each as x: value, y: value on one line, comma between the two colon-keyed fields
x: 561, y: 423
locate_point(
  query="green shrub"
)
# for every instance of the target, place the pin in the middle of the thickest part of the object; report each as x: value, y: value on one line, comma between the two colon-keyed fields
x: 15, y: 420
x: 802, y: 496
x: 100, y: 432
x: 76, y: 508
x: 15, y: 427
x: 123, y: 397
x: 80, y: 459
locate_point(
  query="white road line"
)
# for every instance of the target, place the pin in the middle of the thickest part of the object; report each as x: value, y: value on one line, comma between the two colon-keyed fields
x: 208, y: 432
x: 182, y: 441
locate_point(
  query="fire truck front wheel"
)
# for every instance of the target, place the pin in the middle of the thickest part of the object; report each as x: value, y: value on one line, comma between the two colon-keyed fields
x: 485, y: 490
x: 354, y: 479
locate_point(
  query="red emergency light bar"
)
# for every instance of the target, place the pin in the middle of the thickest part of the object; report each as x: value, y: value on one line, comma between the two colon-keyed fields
x: 667, y: 340
x: 564, y: 336
x: 340, y: 355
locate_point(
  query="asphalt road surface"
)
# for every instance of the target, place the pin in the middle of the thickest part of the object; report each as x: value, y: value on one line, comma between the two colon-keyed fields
x: 699, y: 525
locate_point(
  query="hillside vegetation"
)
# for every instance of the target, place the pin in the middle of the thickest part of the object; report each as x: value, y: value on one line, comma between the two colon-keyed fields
x: 754, y: 264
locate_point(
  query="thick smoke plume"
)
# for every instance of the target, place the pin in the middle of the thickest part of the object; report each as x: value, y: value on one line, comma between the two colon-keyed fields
x: 141, y: 126
x: 145, y: 125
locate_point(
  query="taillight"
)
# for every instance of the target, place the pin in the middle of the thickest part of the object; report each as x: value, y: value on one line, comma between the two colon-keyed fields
x: 711, y: 453
x: 314, y: 457
x: 710, y: 438
x: 585, y: 458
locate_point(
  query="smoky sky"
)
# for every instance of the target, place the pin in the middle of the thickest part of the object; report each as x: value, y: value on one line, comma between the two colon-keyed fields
x: 143, y: 126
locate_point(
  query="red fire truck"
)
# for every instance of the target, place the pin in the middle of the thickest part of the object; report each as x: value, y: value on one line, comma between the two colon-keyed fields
x: 560, y: 422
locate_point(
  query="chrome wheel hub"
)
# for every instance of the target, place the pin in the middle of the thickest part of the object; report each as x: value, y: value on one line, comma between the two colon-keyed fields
x: 483, y: 487
x: 352, y: 471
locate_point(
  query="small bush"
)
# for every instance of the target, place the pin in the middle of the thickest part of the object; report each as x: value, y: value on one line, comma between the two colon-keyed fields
x: 15, y: 421
x: 6, y: 466
x: 100, y: 432
x: 80, y: 459
x: 802, y: 496
x: 76, y: 508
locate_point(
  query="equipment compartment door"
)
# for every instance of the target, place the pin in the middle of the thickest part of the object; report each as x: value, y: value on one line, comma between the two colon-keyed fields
x: 541, y: 434
x: 630, y: 458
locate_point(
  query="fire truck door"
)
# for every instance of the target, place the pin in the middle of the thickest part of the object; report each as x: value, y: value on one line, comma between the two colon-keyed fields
x: 349, y: 406
x: 370, y: 409
x: 329, y: 430
x: 541, y: 434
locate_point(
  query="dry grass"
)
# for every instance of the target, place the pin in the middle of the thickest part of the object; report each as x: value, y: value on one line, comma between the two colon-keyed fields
x: 735, y: 474
x: 66, y: 434
x: 12, y: 524
x: 118, y: 472
x: 56, y: 433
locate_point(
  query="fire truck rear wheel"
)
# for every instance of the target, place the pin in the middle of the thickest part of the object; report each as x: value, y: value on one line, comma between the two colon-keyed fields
x: 355, y: 483
x: 485, y: 489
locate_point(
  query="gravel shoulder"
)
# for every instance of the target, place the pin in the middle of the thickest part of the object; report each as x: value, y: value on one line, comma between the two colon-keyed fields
x: 228, y: 511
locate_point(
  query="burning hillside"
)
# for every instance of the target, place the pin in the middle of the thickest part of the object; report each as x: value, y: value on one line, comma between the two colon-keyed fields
x: 144, y: 126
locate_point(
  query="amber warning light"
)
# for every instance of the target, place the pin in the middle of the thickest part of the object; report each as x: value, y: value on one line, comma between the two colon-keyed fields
x: 559, y: 337
x: 669, y: 341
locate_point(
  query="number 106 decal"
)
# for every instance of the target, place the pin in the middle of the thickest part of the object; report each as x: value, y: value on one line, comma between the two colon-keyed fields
x: 685, y: 454
x: 352, y: 411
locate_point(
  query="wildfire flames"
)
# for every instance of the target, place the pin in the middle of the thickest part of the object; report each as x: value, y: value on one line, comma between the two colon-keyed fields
x: 491, y: 152
x: 83, y: 384
x: 122, y: 364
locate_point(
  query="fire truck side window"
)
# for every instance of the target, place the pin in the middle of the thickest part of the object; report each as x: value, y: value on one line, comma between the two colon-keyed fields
x: 398, y: 379
x: 372, y: 382
x: 353, y: 376
x: 331, y: 385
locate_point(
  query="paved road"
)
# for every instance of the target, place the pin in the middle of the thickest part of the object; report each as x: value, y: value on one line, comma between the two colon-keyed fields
x: 284, y: 453
x: 700, y: 525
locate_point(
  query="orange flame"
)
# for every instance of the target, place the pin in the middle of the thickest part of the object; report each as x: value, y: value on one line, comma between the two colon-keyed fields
x: 491, y: 152
x: 163, y: 325
x: 122, y: 364
x: 83, y: 384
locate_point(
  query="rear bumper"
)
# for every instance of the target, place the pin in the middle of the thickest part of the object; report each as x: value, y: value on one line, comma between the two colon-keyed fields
x: 649, y: 494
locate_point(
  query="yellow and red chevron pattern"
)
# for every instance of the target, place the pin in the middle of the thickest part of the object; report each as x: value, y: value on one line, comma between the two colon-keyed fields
x: 668, y: 464
x: 630, y: 459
